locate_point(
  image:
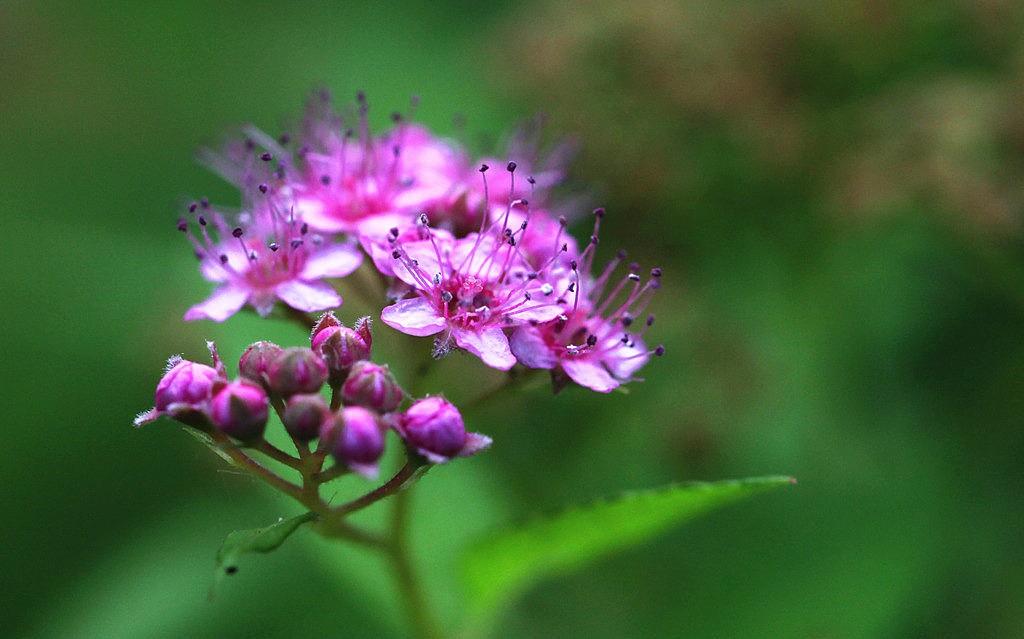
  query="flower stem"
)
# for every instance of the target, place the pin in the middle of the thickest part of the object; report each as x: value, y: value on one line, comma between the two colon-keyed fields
x: 420, y: 618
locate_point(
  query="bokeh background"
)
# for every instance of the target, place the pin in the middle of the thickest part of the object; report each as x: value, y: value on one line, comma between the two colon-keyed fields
x: 834, y: 191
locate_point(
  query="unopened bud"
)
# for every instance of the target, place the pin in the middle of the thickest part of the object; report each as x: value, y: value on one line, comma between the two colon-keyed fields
x: 434, y: 426
x: 340, y: 347
x: 358, y: 440
x: 372, y: 386
x: 239, y: 409
x: 305, y: 416
x: 256, y: 360
x: 185, y: 385
x: 297, y: 370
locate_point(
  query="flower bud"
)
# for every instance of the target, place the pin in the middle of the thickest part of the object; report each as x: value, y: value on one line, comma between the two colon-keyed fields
x: 297, y: 370
x: 305, y: 415
x: 360, y: 442
x: 434, y: 425
x: 372, y: 386
x: 239, y: 409
x: 256, y: 360
x: 340, y: 348
x: 185, y: 385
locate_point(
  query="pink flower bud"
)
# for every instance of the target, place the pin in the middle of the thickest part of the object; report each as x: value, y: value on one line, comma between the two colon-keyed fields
x: 256, y: 360
x: 239, y: 409
x: 297, y: 370
x: 434, y: 425
x: 305, y: 415
x: 340, y: 348
x: 372, y: 386
x: 360, y: 442
x: 185, y: 385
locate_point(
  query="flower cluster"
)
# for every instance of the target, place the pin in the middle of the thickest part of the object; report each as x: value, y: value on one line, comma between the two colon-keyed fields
x: 365, y: 401
x: 477, y: 258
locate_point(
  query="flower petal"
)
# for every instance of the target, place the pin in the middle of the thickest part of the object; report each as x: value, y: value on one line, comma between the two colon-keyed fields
x: 308, y: 296
x: 530, y: 349
x: 489, y: 344
x: 589, y: 373
x: 415, y: 316
x: 222, y: 304
x: 336, y: 260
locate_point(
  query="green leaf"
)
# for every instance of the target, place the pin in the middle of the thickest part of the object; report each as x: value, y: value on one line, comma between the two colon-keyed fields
x: 504, y: 564
x: 262, y: 540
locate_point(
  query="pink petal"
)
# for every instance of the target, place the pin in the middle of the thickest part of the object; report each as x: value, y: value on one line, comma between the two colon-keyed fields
x: 308, y: 296
x: 475, y: 442
x: 222, y: 304
x: 489, y: 344
x: 336, y: 260
x: 535, y: 311
x: 529, y: 347
x: 415, y: 316
x: 589, y: 373
x: 317, y: 214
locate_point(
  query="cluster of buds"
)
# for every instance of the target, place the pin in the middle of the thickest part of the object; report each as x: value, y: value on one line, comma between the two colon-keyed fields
x: 477, y: 259
x: 365, y: 400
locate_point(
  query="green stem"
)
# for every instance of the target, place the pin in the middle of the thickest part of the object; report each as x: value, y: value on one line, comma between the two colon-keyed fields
x: 420, y: 618
x: 404, y: 478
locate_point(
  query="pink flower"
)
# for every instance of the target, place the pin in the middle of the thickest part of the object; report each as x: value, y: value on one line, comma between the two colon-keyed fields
x: 470, y: 290
x: 350, y: 181
x: 273, y: 257
x: 592, y: 343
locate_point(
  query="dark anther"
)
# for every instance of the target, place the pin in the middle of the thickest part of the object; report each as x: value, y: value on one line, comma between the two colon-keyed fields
x: 249, y: 144
x: 360, y: 96
x: 223, y: 258
x: 284, y: 139
x: 325, y: 179
x: 304, y: 228
x: 593, y: 239
x: 531, y: 180
x: 650, y: 320
x: 202, y: 220
x: 263, y: 188
x: 633, y: 277
x: 296, y: 244
x: 237, y: 232
x: 625, y: 338
x: 599, y: 212
x: 655, y: 272
x: 659, y: 351
x: 565, y: 248
x: 396, y: 254
x: 571, y: 288
x: 182, y: 225
x: 562, y: 221
x: 627, y: 320
x: 205, y: 203
x: 511, y: 167
x: 266, y: 156
x: 591, y: 339
x: 511, y: 241
x: 396, y: 150
x: 231, y: 570
x: 273, y: 246
x: 393, y: 231
x: 508, y: 232
x: 524, y: 202
x: 522, y: 227
x: 633, y: 267
x: 483, y: 168
x: 621, y: 254
x: 573, y: 265
x: 446, y: 296
x: 192, y: 207
x: 528, y: 296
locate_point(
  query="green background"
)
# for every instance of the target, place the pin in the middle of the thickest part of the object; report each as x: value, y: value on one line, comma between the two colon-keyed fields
x: 833, y: 192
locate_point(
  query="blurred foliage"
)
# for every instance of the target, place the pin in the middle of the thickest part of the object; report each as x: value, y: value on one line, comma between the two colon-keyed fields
x: 833, y: 190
